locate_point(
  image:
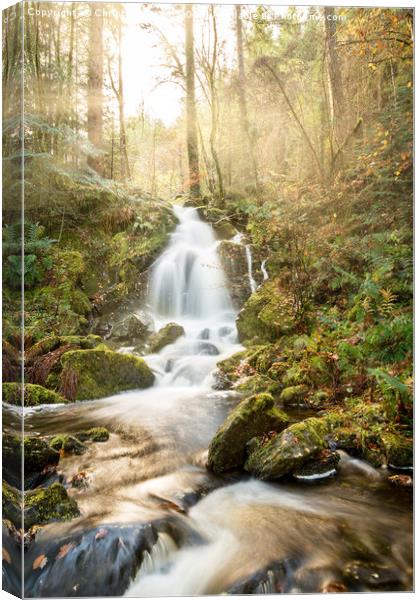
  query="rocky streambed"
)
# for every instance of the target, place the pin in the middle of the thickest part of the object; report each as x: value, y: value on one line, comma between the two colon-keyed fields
x: 174, y: 467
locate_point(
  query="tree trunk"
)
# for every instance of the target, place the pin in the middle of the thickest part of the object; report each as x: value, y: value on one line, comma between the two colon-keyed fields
x: 246, y: 136
x: 95, y: 87
x: 334, y: 70
x: 125, y: 168
x: 192, y: 141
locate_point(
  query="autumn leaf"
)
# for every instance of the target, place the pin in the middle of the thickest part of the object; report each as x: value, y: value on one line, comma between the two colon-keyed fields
x: 6, y: 556
x: 39, y: 562
x: 64, y: 550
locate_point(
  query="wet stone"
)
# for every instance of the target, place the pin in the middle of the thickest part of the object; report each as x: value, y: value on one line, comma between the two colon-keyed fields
x: 374, y: 576
x: 322, y: 466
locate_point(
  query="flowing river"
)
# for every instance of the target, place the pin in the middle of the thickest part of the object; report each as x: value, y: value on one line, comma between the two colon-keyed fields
x: 156, y: 522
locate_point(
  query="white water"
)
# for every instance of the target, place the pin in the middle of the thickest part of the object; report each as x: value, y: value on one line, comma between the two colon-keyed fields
x: 264, y: 270
x: 188, y: 287
x: 252, y: 282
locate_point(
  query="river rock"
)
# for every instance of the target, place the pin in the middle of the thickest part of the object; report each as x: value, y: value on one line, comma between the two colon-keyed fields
x: 167, y: 335
x: 272, y: 579
x: 12, y: 504
x: 37, y: 457
x: 252, y: 417
x: 34, y: 395
x: 94, y: 434
x: 48, y: 504
x: 267, y: 314
x: 97, y: 562
x: 287, y: 451
x: 91, y: 374
x: 133, y: 329
x: 233, y: 260
x: 320, y: 467
x: 374, y: 576
x: 398, y: 451
x: 68, y: 444
x: 207, y: 349
x: 294, y: 395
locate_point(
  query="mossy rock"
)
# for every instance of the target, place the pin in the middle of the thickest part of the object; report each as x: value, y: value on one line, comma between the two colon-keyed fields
x: 287, y: 451
x: 133, y: 328
x: 267, y: 315
x: 53, y: 342
x: 257, y: 384
x: 34, y: 395
x: 12, y: 504
x: 224, y: 230
x: 321, y: 466
x: 294, y: 395
x: 165, y: 336
x: 227, y: 374
x: 398, y: 450
x: 49, y: 504
x: 68, y: 444
x: 95, y: 434
x: 91, y: 374
x: 252, y: 417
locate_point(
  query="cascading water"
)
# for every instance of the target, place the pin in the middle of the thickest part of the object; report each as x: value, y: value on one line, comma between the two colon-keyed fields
x: 188, y: 286
x: 211, y: 535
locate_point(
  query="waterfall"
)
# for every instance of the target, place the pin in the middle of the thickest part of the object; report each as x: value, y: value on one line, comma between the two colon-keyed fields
x: 188, y: 286
x: 252, y: 282
x: 264, y: 270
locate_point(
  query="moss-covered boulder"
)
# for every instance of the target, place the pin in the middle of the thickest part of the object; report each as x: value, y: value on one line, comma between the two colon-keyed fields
x: 67, y: 444
x: 287, y: 451
x: 95, y: 434
x: 12, y: 504
x: 228, y: 371
x: 252, y: 417
x: 133, y: 329
x: 167, y: 335
x: 294, y: 395
x: 91, y: 374
x: 234, y: 262
x: 53, y: 342
x: 398, y: 450
x: 267, y: 314
x: 34, y: 395
x: 224, y: 230
x: 48, y: 504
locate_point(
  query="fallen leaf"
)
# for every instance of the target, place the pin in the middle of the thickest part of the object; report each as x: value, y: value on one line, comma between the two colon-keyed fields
x: 64, y: 550
x: 6, y: 556
x: 39, y: 562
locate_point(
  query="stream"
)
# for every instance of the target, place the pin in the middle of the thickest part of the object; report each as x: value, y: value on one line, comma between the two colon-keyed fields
x: 155, y: 522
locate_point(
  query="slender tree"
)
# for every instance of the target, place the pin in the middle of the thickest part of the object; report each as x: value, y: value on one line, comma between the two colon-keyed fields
x: 192, y: 140
x: 95, y: 87
x: 334, y: 71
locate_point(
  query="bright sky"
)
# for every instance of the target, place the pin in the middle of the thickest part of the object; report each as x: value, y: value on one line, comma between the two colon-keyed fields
x: 144, y: 58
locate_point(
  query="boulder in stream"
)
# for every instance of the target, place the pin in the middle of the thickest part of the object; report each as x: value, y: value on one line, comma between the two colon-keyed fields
x: 34, y: 395
x: 294, y: 395
x: 322, y: 466
x: 286, y: 452
x: 165, y: 336
x: 91, y: 374
x: 267, y: 314
x: 38, y: 456
x: 43, y: 505
x: 133, y: 329
x: 252, y: 417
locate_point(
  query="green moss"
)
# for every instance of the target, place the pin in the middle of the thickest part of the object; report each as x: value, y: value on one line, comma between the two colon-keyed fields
x: 12, y: 504
x: 253, y: 416
x: 95, y: 434
x: 258, y: 384
x: 53, y: 342
x: 48, y: 504
x: 294, y: 395
x: 167, y: 335
x: 289, y: 450
x: 267, y: 314
x: 34, y: 395
x: 68, y: 444
x: 91, y: 374
x: 398, y: 450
